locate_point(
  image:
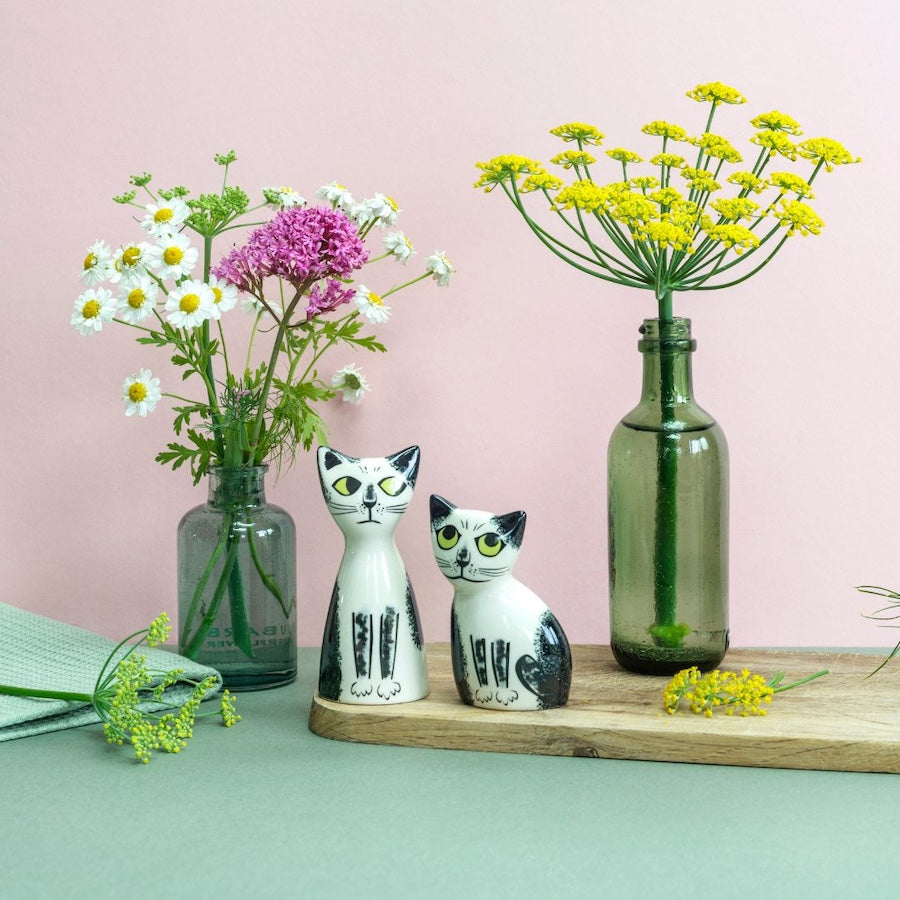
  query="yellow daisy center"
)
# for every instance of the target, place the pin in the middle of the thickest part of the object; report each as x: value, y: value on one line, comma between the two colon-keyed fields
x: 393, y: 203
x: 90, y: 261
x: 137, y: 392
x: 173, y: 255
x: 91, y: 309
x: 189, y: 303
x: 136, y: 298
x: 163, y: 215
x: 374, y: 299
x: 217, y: 295
x: 131, y: 256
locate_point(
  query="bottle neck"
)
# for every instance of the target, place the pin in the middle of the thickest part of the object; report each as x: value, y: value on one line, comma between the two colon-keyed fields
x: 232, y: 488
x: 667, y: 395
x: 667, y: 348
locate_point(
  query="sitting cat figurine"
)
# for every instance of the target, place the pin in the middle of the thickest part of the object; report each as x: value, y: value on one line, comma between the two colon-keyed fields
x: 372, y: 650
x: 508, y: 650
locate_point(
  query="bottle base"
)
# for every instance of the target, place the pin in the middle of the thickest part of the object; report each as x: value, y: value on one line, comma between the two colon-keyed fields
x: 651, y: 660
x: 237, y: 680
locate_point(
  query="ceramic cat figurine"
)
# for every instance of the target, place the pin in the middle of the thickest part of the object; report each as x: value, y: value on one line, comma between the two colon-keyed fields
x: 372, y: 649
x: 508, y: 649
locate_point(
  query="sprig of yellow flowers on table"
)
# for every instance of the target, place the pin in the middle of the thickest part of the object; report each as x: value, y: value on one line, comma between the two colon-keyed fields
x: 744, y: 693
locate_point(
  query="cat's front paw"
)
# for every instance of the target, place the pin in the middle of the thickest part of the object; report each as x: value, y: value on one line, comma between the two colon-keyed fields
x: 483, y: 695
x: 506, y: 696
x: 388, y: 688
x: 362, y: 688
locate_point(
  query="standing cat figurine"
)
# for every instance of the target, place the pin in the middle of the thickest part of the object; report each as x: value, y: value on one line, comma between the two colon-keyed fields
x: 509, y: 651
x: 372, y: 649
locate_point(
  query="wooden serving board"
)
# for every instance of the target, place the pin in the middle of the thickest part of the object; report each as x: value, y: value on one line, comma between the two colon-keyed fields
x: 843, y: 721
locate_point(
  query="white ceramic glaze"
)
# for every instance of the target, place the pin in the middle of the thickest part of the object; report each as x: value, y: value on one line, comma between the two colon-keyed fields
x: 372, y: 649
x: 508, y: 649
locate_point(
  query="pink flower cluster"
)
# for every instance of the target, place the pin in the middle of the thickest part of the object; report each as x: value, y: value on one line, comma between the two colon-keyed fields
x: 304, y: 246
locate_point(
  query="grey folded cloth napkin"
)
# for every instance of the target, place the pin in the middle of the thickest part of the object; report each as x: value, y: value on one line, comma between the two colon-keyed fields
x: 38, y: 652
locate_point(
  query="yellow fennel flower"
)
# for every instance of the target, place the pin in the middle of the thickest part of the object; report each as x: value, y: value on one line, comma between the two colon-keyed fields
x: 669, y: 160
x: 788, y: 181
x: 716, y: 92
x: 744, y: 693
x: 667, y: 197
x: 507, y: 167
x: 588, y: 196
x: 776, y: 121
x: 644, y: 182
x: 634, y: 210
x: 569, y: 159
x: 828, y: 151
x: 797, y: 216
x: 577, y: 131
x: 666, y: 130
x: 718, y: 147
x: 748, y: 181
x: 735, y: 208
x: 732, y: 235
x: 775, y: 142
x: 541, y: 181
x: 700, y: 179
x: 620, y: 154
x: 668, y: 235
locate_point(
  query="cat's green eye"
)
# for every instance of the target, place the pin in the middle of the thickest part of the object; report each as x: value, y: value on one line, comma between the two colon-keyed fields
x: 489, y: 544
x: 448, y: 537
x: 346, y: 485
x: 392, y: 485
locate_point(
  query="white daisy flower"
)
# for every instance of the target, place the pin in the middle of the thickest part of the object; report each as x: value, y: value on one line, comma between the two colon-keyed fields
x: 440, y: 268
x: 337, y: 195
x: 225, y: 296
x: 173, y: 255
x: 379, y: 209
x: 253, y: 306
x: 137, y: 300
x: 165, y: 217
x: 282, y: 197
x: 371, y: 305
x: 97, y: 263
x: 129, y: 263
x: 351, y: 382
x: 141, y: 393
x: 399, y: 246
x: 93, y: 309
x: 190, y: 304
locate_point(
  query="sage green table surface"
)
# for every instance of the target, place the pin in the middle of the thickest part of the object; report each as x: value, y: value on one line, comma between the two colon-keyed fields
x: 267, y: 809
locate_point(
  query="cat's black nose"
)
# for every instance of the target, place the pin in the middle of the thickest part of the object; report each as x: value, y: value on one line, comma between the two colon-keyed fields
x: 369, y: 499
x: 462, y: 558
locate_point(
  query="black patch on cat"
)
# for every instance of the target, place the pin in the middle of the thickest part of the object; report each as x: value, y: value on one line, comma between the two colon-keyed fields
x: 500, y: 662
x: 412, y: 615
x: 387, y: 646
x: 362, y: 644
x: 479, y: 657
x: 439, y: 508
x: 330, y: 658
x: 512, y: 527
x: 459, y: 660
x: 406, y: 462
x: 548, y: 674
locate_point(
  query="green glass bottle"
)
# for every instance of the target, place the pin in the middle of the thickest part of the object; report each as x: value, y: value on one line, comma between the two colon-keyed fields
x: 237, y: 583
x: 668, y: 517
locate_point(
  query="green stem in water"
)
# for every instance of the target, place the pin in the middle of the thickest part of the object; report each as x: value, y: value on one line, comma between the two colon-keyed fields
x: 666, y: 631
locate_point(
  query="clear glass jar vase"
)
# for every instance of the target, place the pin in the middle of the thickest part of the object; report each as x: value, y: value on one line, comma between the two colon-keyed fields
x: 237, y: 583
x: 668, y: 517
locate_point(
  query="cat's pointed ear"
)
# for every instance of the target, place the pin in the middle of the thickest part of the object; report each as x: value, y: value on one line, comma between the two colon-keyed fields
x: 329, y: 458
x: 440, y: 508
x: 512, y: 527
x: 406, y: 462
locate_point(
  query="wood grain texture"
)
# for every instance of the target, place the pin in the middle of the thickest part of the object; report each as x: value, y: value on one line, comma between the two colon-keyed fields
x: 842, y: 722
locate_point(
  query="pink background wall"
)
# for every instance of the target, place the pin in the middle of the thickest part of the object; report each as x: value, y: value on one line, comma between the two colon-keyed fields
x: 510, y: 379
